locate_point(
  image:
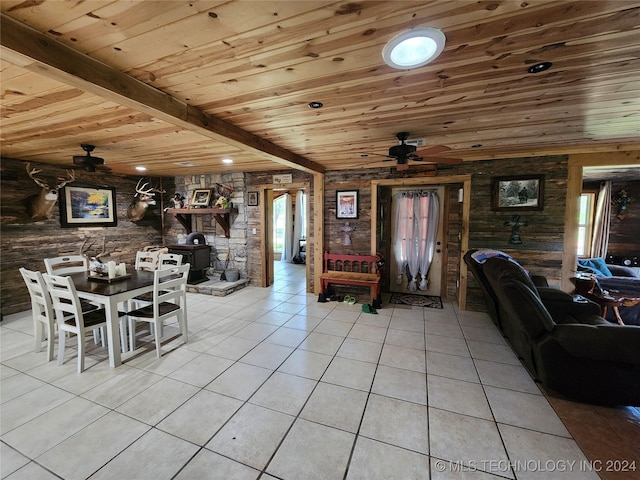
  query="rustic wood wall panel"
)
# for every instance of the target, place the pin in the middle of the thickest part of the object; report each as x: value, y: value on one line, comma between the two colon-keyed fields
x: 624, y: 234
x: 26, y: 243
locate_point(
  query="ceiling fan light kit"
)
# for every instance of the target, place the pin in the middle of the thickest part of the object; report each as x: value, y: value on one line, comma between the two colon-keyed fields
x: 414, y: 48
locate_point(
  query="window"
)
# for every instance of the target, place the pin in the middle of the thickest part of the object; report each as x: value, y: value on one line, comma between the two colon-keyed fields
x: 585, y: 223
x: 279, y: 218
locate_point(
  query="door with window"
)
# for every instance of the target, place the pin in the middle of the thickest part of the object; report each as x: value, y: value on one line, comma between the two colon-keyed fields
x: 417, y: 240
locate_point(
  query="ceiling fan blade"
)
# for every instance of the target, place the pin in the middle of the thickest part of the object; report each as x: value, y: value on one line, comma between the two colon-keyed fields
x: 451, y: 161
x: 436, y: 149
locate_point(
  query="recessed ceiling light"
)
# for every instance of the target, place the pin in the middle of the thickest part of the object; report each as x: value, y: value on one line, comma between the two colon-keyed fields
x: 414, y: 48
x: 227, y: 161
x: 141, y: 168
x: 539, y: 67
x: 187, y: 164
x: 476, y: 145
x: 315, y: 105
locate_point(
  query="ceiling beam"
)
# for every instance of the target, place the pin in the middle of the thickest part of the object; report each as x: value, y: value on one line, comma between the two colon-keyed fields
x: 36, y: 52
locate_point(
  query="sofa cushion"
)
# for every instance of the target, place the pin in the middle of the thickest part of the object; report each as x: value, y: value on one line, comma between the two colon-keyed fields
x: 595, y: 265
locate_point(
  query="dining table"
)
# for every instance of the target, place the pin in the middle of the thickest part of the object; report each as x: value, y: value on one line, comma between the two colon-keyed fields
x: 111, y: 293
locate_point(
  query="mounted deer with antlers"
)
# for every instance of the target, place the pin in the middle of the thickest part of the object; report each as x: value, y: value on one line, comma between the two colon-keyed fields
x: 40, y: 207
x: 139, y: 206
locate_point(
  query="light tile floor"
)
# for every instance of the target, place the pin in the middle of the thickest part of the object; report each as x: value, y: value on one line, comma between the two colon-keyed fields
x: 275, y: 385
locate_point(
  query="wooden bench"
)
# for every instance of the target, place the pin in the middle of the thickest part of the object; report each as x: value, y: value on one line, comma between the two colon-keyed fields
x: 358, y: 270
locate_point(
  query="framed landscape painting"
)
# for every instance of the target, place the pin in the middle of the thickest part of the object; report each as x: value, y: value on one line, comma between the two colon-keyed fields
x: 518, y: 193
x: 88, y: 206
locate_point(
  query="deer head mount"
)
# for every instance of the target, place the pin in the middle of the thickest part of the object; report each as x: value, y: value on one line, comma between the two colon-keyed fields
x: 141, y: 201
x: 40, y: 207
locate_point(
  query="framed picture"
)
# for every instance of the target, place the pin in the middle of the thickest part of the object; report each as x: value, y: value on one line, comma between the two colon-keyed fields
x: 347, y: 204
x: 201, y: 198
x: 252, y: 199
x: 518, y: 193
x: 88, y: 206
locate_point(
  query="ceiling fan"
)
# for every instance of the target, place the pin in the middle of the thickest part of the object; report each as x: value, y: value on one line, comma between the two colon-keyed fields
x: 88, y: 162
x: 404, y: 152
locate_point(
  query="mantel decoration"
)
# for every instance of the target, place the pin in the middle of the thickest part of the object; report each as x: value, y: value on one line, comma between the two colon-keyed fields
x: 518, y: 193
x: 201, y: 198
x: 88, y: 206
x: 621, y: 201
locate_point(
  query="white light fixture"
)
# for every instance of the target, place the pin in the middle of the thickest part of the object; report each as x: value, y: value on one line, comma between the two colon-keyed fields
x: 414, y: 48
x: 227, y: 161
x: 141, y: 168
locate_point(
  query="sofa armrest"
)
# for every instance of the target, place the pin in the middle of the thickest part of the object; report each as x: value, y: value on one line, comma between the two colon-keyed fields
x: 622, y: 271
x: 564, y: 307
x: 609, y: 343
x: 620, y: 284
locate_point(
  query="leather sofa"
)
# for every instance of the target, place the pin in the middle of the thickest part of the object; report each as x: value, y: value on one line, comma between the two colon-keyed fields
x: 584, y: 358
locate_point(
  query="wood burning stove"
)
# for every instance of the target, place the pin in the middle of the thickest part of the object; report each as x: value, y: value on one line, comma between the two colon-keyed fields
x: 198, y: 256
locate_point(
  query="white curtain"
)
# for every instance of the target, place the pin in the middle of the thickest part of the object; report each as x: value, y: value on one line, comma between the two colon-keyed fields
x: 416, y: 216
x: 429, y: 214
x: 299, y: 230
x: 600, y: 238
x: 287, y: 248
x: 403, y: 215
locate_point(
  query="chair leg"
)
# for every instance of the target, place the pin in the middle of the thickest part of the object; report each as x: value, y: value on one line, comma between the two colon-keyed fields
x: 132, y: 334
x: 158, y: 328
x: 81, y: 341
x: 123, y: 334
x: 50, y: 336
x: 182, y: 319
x: 38, y: 332
x: 62, y: 335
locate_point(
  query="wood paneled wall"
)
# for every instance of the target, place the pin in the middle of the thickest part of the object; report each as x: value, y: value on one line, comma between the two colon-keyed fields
x: 26, y: 243
x: 624, y: 234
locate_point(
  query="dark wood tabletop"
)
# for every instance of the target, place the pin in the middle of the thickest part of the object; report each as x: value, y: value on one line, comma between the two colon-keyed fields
x: 137, y: 279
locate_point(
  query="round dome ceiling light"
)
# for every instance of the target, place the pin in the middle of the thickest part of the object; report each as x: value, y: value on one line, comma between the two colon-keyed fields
x: 315, y: 105
x: 414, y: 48
x: 539, y: 67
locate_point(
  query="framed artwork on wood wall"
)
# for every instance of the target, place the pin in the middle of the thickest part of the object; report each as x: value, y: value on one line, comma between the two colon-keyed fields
x: 517, y: 193
x: 88, y: 206
x: 347, y: 204
x: 252, y: 199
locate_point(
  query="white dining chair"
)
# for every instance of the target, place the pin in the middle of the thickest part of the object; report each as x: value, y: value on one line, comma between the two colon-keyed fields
x: 165, y: 259
x: 169, y: 300
x: 66, y: 265
x: 69, y: 315
x: 146, y: 261
x: 42, y: 310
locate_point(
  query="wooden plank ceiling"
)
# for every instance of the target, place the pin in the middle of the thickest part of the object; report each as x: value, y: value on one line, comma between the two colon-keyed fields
x: 162, y: 83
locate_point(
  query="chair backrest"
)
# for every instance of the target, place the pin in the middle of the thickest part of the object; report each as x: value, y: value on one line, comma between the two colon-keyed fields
x: 40, y: 299
x: 169, y: 259
x: 146, y: 261
x: 64, y: 298
x: 170, y: 283
x: 66, y: 265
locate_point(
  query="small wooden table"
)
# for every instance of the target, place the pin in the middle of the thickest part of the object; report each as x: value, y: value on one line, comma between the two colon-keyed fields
x: 614, y: 301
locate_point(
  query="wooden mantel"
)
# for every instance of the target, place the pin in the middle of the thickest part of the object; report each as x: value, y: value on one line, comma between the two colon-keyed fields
x: 221, y: 215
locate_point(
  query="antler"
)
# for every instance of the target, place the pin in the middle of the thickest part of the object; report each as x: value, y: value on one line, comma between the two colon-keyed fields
x: 141, y: 189
x: 83, y: 252
x: 34, y: 171
x: 103, y: 253
x: 71, y: 177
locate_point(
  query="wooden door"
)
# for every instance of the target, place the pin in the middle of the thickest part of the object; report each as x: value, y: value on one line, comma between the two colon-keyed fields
x: 435, y: 271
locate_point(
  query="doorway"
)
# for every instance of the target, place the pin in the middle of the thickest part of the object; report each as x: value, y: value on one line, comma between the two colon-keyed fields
x: 402, y: 272
x: 457, y: 188
x: 285, y: 220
